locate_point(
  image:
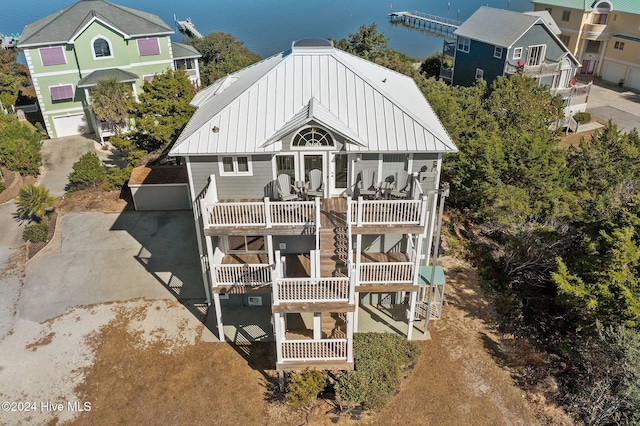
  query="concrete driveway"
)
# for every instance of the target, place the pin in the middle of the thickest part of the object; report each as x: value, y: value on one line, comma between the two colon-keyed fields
x: 106, y: 257
x: 58, y: 156
x: 607, y: 101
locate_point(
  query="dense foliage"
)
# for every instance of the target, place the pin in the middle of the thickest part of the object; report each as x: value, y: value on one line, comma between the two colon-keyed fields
x: 34, y: 202
x: 87, y: 171
x: 379, y: 359
x: 112, y: 102
x: 36, y: 232
x: 12, y: 77
x: 304, y: 386
x: 222, y: 54
x: 19, y: 146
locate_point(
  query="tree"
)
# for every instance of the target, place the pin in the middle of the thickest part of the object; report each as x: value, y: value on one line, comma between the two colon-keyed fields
x: 303, y: 389
x: 430, y: 67
x: 19, y: 146
x: 112, y: 101
x: 12, y: 77
x: 34, y: 202
x: 367, y: 43
x: 222, y: 54
x: 163, y: 109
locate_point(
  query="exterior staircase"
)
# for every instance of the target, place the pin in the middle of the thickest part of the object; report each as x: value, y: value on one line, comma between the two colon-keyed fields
x: 334, y: 325
x: 334, y: 245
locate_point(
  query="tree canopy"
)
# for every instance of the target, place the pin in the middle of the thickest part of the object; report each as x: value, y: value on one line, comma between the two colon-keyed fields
x: 112, y: 102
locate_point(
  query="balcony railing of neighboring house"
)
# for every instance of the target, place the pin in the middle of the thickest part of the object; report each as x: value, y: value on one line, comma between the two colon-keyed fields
x: 314, y: 350
x: 106, y: 128
x: 575, y: 91
x: 541, y: 70
x: 595, y: 32
x: 446, y: 73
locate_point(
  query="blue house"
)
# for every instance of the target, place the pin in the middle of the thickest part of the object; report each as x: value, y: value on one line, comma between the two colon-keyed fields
x: 495, y: 42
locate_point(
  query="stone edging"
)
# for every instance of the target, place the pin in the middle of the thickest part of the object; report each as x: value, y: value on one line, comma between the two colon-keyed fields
x: 13, y: 189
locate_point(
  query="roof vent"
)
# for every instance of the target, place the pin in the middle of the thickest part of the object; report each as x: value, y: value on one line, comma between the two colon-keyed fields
x: 313, y: 43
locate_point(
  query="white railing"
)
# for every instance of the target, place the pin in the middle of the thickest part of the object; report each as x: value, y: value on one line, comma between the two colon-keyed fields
x: 261, y: 213
x: 308, y: 350
x: 258, y: 274
x: 387, y: 273
x: 312, y: 290
x: 388, y: 212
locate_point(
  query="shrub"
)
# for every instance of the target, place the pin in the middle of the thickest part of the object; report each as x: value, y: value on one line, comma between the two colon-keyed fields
x: 87, y: 171
x: 117, y: 177
x: 36, y: 232
x: 19, y: 146
x: 304, y: 387
x: 378, y: 358
x: 2, y: 188
x: 582, y: 117
x: 34, y: 202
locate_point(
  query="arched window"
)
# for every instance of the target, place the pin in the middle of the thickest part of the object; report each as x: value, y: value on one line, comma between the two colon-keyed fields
x: 312, y: 136
x: 101, y: 48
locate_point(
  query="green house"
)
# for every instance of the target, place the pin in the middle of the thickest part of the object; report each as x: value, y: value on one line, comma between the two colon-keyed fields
x: 69, y: 51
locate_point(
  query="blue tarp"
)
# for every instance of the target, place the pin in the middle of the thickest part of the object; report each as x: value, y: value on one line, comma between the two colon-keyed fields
x: 425, y: 275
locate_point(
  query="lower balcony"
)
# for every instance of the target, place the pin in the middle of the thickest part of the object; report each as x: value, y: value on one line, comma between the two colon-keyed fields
x: 325, y: 354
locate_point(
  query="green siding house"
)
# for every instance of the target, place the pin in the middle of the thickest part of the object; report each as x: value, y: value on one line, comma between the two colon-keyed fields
x: 69, y: 51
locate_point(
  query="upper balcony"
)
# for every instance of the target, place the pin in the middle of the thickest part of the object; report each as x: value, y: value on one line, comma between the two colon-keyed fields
x: 540, y: 70
x: 595, y: 32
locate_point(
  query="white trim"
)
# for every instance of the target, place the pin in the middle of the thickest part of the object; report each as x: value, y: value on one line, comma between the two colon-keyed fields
x: 497, y: 52
x: 235, y: 171
x: 274, y: 165
x: 73, y: 38
x: 466, y: 44
x: 517, y: 52
x: 140, y: 185
x: 543, y: 52
x: 50, y: 112
x: 88, y: 71
x: 479, y: 74
x: 93, y: 49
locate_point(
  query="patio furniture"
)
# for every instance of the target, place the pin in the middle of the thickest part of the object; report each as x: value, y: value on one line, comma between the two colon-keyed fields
x: 285, y: 187
x: 315, y: 183
x: 401, y: 185
x: 367, y: 184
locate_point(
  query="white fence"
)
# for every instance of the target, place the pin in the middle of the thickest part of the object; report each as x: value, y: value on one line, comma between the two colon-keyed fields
x: 308, y: 350
x: 388, y: 212
x: 387, y: 273
x: 312, y: 290
x: 257, y: 274
x: 261, y: 213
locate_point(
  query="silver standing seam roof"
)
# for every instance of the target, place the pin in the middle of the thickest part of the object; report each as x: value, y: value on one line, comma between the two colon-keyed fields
x: 376, y: 109
x: 63, y: 26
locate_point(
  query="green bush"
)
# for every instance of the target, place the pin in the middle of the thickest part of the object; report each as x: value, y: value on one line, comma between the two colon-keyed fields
x: 379, y: 358
x: 117, y: 177
x: 304, y: 387
x: 34, y: 202
x: 582, y: 117
x: 36, y: 232
x: 2, y: 188
x: 87, y: 171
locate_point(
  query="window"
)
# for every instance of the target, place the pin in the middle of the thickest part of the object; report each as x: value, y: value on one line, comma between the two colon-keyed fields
x: 312, y: 136
x: 464, y: 44
x: 479, y: 74
x: 593, y: 46
x: 61, y: 92
x: 497, y: 52
x: 101, y: 48
x: 189, y: 63
x: 148, y: 47
x: 149, y: 78
x: 565, y: 39
x: 566, y: 15
x: 286, y: 164
x: 235, y: 165
x: 517, y: 53
x: 536, y: 55
x: 52, y: 56
x: 619, y: 45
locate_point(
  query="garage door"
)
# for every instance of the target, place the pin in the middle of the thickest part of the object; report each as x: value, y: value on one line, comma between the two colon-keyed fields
x: 161, y: 197
x: 633, y: 79
x: 613, y: 72
x: 70, y: 125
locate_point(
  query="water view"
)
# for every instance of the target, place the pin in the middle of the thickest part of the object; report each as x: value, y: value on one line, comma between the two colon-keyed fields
x: 269, y: 26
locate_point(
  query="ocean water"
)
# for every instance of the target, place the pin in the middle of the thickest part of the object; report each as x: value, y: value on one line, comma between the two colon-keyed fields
x: 269, y: 26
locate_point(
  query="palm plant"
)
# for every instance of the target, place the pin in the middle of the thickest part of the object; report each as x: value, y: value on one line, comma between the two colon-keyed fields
x: 34, y: 202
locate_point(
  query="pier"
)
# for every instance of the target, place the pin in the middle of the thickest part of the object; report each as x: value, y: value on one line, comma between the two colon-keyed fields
x: 436, y: 24
x: 187, y: 27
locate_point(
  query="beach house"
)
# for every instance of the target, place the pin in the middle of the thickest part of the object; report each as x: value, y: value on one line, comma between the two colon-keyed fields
x: 69, y: 51
x: 315, y: 181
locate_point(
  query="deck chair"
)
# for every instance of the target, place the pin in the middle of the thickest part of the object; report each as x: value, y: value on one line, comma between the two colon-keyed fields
x: 285, y: 187
x: 367, y: 184
x: 401, y: 185
x: 314, y: 188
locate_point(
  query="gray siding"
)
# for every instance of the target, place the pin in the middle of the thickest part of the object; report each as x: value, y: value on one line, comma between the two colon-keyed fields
x: 382, y: 243
x: 296, y: 244
x: 368, y: 161
x: 201, y: 169
x: 537, y: 35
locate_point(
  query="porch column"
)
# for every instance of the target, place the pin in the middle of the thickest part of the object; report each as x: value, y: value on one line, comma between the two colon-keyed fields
x: 279, y: 330
x: 412, y: 313
x: 603, y: 48
x: 317, y: 325
x: 350, y: 324
x: 212, y: 271
x: 218, y: 307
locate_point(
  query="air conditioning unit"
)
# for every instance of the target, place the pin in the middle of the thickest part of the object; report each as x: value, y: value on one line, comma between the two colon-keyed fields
x: 255, y: 300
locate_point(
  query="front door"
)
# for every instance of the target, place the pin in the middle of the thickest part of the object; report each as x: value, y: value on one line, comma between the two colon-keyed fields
x: 588, y: 67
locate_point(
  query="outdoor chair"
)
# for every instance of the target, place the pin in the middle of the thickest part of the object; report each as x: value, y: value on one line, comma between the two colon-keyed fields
x: 367, y: 184
x: 314, y: 188
x: 401, y: 185
x: 285, y: 187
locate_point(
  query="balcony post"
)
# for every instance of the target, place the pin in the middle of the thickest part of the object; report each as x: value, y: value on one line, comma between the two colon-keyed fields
x: 205, y: 215
x: 349, y: 213
x: 350, y: 323
x: 412, y: 313
x: 424, y: 207
x: 218, y: 308
x: 267, y: 212
x: 360, y: 208
x: 278, y: 325
x: 275, y: 277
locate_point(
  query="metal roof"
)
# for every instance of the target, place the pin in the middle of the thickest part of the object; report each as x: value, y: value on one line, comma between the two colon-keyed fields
x: 184, y: 51
x: 377, y: 109
x: 496, y: 26
x: 626, y: 6
x: 108, y: 74
x: 66, y: 24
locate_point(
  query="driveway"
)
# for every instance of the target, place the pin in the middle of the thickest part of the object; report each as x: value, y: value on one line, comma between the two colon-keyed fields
x: 607, y: 101
x: 58, y: 156
x: 107, y: 257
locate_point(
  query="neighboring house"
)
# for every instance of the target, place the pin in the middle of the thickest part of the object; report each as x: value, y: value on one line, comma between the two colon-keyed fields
x: 69, y: 51
x: 498, y: 42
x: 603, y: 34
x: 284, y: 160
